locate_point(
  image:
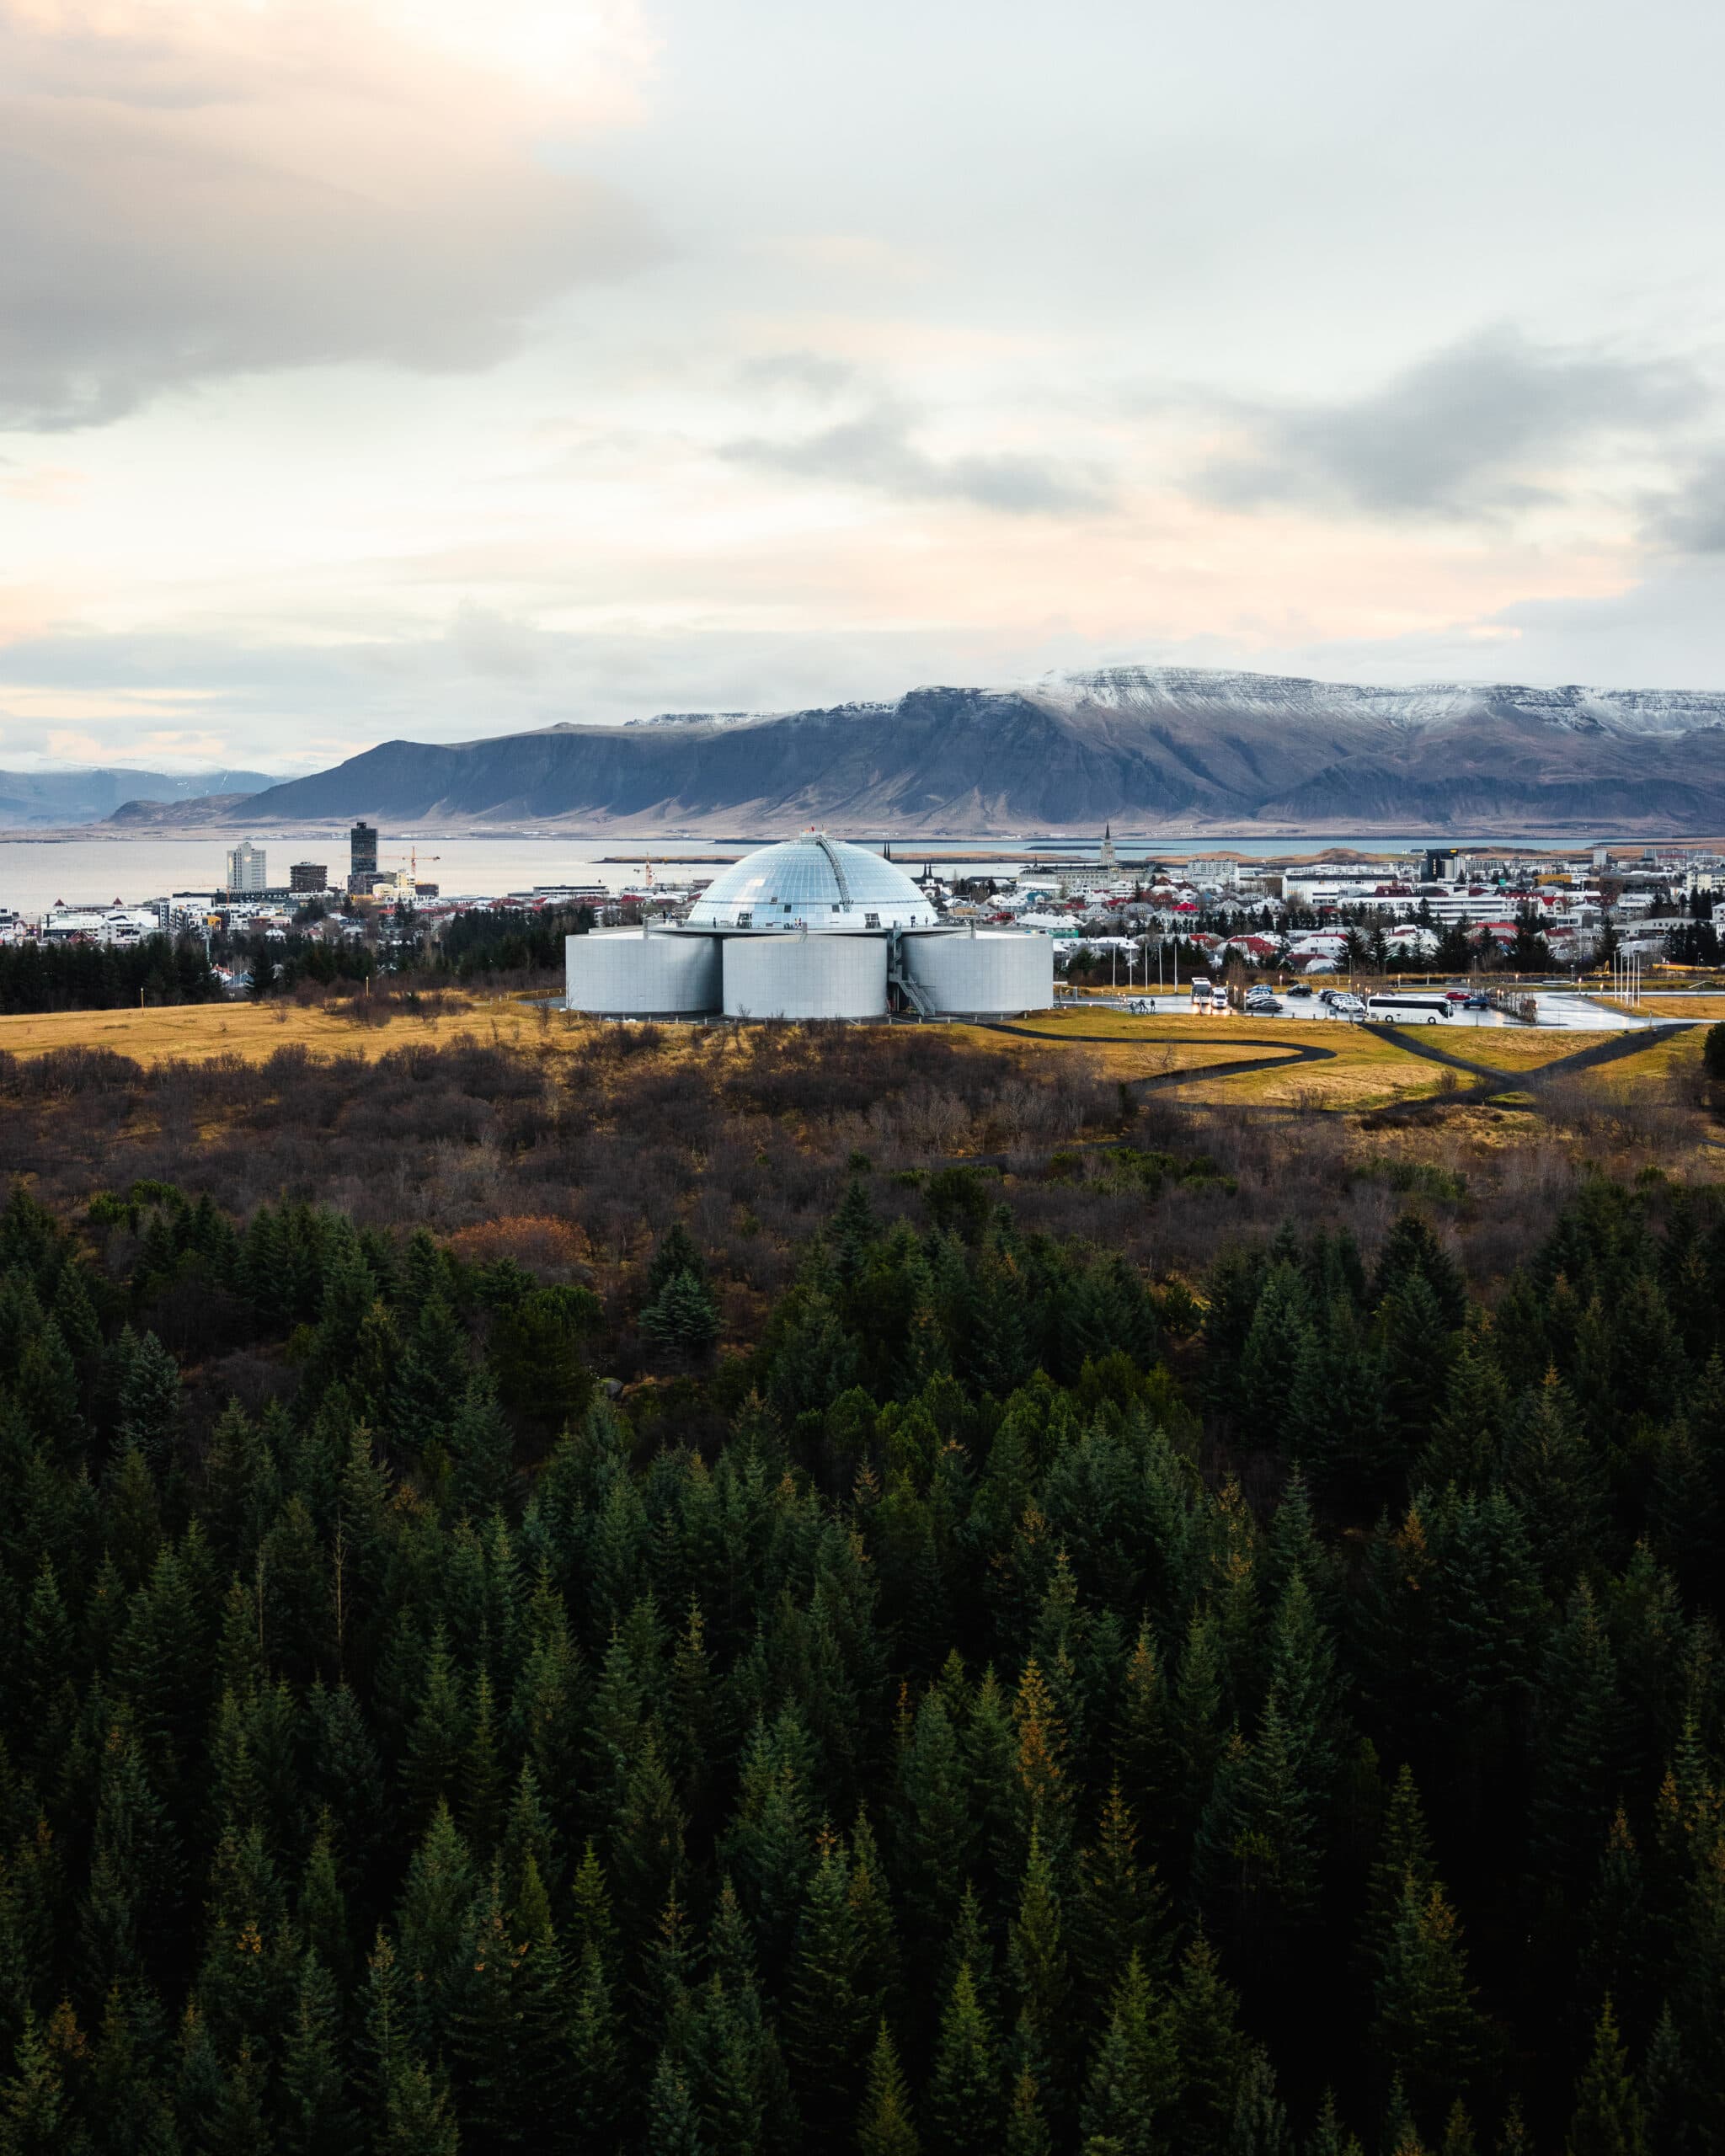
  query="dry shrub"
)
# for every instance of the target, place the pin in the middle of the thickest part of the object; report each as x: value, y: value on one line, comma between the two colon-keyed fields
x: 536, y: 1240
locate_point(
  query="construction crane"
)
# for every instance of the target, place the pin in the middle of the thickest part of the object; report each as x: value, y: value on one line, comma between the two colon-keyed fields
x: 412, y: 857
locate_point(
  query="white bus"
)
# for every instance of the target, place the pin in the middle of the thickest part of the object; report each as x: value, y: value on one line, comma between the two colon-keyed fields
x: 1396, y: 1010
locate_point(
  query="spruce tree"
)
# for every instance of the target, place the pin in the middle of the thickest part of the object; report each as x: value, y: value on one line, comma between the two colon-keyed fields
x: 1133, y: 2080
x: 1429, y: 2030
x: 1211, y: 2055
x: 1609, y: 2119
x: 828, y: 2011
x: 886, y: 2128
x: 316, y: 2115
x: 965, y: 2110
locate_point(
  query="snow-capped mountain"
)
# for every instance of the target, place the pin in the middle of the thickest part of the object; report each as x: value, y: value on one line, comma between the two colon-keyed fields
x: 1171, y: 750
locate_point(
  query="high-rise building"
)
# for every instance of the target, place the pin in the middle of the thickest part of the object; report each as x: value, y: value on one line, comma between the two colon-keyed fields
x: 246, y: 869
x: 309, y: 875
x: 362, y: 857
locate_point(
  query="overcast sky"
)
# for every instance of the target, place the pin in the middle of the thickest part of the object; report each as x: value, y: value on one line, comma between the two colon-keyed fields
x: 411, y: 368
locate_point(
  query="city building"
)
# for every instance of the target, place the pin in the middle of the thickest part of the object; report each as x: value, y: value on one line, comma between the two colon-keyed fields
x: 247, y: 867
x: 311, y: 877
x: 810, y: 928
x: 362, y: 857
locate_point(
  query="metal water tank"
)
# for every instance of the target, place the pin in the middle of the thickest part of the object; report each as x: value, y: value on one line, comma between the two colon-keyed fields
x: 799, y: 976
x: 980, y: 972
x: 635, y: 972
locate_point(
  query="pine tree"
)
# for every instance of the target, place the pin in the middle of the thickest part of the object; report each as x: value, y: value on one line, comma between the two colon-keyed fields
x: 1210, y: 2054
x: 1134, y: 2078
x: 682, y: 1320
x: 1260, y: 2127
x: 885, y: 2127
x: 1328, y: 2137
x: 1458, y: 2133
x: 828, y: 2011
x: 673, y: 2119
x: 965, y: 2111
x: 33, y: 2107
x: 1121, y: 1907
x: 432, y: 1768
x: 1670, y: 2114
x: 150, y: 1402
x: 481, y: 1450
x: 435, y: 1903
x: 1608, y: 2120
x: 1428, y: 2030
x: 1027, y: 2130
x: 316, y: 2117
x: 1037, y: 1965
x: 1404, y: 1855
x: 1581, y: 1746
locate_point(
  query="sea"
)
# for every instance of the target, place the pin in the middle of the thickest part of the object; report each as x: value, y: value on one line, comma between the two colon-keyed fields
x: 41, y: 870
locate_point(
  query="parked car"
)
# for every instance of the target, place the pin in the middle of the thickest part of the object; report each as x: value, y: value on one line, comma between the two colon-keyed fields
x: 1328, y: 994
x: 1348, y: 1006
x: 1455, y: 995
x: 1477, y: 1003
x: 1301, y: 988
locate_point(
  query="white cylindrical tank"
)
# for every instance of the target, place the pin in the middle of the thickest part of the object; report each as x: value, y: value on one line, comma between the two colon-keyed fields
x: 988, y: 970
x: 799, y: 976
x: 631, y: 972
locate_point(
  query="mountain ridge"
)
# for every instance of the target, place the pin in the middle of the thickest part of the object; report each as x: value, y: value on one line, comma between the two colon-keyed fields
x: 47, y: 800
x: 1156, y: 749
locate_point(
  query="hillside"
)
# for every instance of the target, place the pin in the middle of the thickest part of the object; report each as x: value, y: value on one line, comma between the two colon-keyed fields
x: 1169, y: 749
x: 50, y: 798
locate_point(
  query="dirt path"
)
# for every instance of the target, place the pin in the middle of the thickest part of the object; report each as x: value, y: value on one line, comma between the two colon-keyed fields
x: 1289, y: 1053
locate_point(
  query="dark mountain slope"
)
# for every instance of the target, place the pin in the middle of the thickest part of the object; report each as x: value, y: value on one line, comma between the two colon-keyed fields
x: 1145, y: 748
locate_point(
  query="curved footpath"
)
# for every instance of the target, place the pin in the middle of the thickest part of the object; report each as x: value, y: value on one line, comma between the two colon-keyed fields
x: 1289, y: 1053
x: 1490, y: 1082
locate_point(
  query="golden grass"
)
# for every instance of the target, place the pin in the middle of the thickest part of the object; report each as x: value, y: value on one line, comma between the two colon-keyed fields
x: 197, y: 1032
x: 1678, y: 1056
x: 1363, y: 1074
x: 1509, y: 1048
x: 1707, y: 1008
x: 1360, y: 1071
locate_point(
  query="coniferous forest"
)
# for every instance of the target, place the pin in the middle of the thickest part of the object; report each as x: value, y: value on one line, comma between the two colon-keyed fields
x: 980, y: 1692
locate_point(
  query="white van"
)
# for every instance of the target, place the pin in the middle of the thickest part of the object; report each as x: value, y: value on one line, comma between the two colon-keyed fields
x: 1201, y: 991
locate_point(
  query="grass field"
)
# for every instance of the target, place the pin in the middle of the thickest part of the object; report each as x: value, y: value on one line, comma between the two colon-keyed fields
x: 1707, y: 1008
x: 1362, y: 1071
x: 1507, y: 1048
x: 195, y: 1032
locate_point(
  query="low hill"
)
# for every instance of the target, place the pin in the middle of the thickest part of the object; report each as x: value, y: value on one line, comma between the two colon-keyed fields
x: 48, y: 798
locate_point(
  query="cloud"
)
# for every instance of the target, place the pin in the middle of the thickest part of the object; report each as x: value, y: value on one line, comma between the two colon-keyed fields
x: 1473, y: 430
x: 190, y: 188
x: 1692, y: 520
x: 876, y: 450
x: 810, y: 374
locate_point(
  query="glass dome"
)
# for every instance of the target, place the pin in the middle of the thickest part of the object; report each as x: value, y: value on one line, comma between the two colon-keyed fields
x: 814, y: 882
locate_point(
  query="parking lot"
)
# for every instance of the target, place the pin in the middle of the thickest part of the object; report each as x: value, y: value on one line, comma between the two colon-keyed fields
x: 1561, y: 1009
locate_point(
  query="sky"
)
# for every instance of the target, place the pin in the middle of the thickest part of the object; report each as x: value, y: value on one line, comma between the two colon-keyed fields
x: 403, y: 368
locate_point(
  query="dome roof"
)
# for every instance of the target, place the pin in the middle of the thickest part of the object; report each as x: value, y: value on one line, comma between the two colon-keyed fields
x: 815, y: 882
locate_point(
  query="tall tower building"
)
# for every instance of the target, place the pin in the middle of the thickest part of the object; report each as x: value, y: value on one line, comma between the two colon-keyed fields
x: 362, y: 857
x: 246, y: 868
